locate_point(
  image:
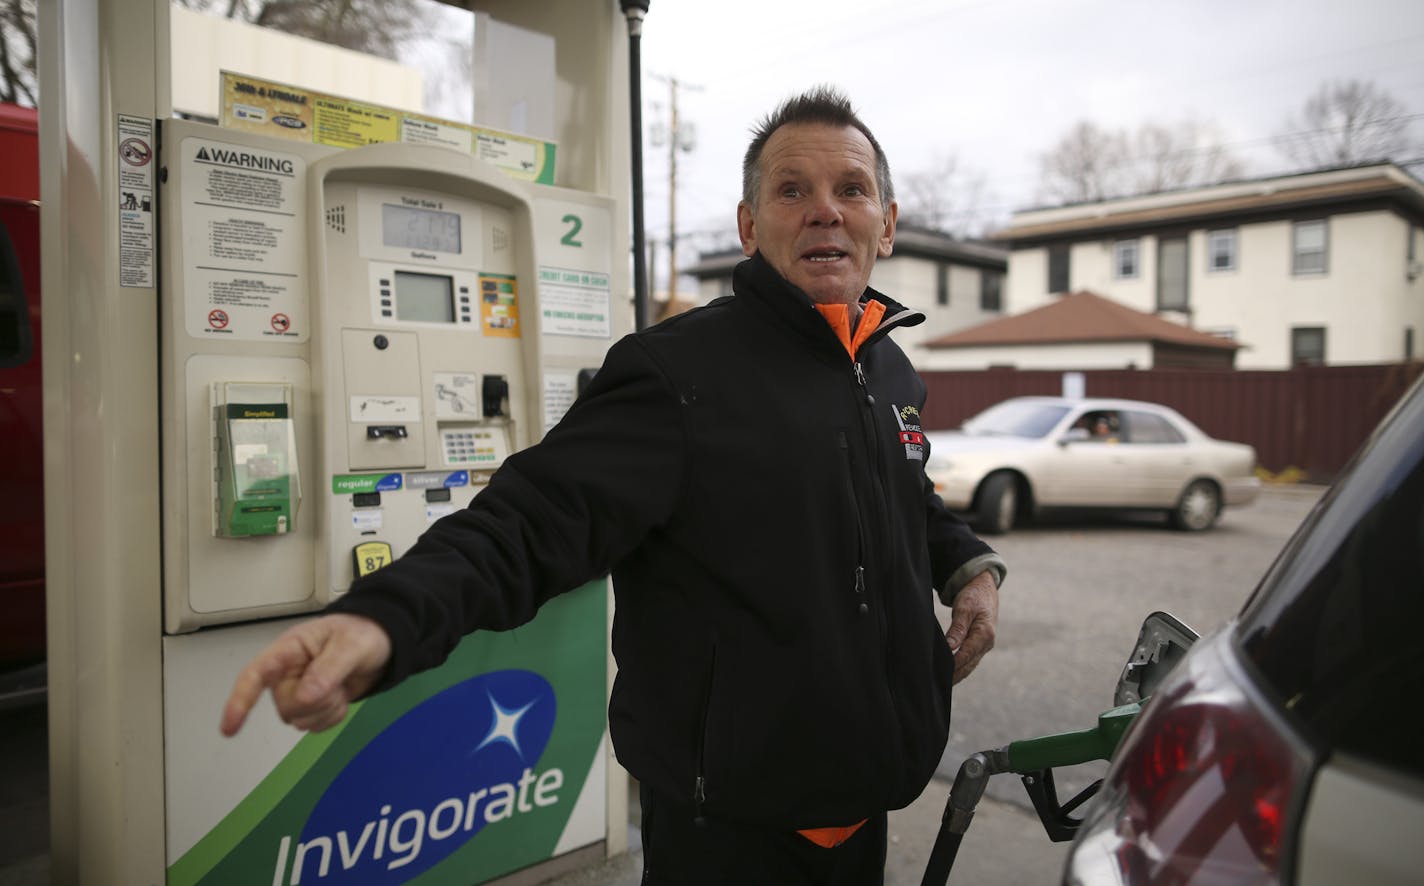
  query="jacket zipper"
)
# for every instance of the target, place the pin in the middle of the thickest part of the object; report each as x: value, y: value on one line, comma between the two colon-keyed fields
x: 878, y: 480
x: 877, y: 457
x: 861, y: 605
x: 699, y: 786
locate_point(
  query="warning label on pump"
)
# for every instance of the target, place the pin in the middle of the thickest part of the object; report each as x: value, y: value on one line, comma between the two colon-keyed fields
x: 135, y: 150
x: 244, y: 242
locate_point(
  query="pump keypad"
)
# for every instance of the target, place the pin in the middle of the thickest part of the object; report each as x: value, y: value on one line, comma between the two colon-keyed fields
x: 468, y: 448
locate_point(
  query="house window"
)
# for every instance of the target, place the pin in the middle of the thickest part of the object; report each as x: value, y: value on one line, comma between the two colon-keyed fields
x: 1411, y: 257
x: 942, y: 285
x: 1409, y: 342
x: 1308, y: 346
x: 991, y: 291
x: 1125, y: 259
x: 1308, y: 245
x: 1172, y: 274
x: 1058, y: 268
x: 1221, y: 250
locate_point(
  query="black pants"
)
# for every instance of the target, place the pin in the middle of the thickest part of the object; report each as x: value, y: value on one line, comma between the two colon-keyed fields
x: 678, y: 852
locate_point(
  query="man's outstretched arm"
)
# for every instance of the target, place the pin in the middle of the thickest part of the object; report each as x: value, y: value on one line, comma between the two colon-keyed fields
x: 314, y: 669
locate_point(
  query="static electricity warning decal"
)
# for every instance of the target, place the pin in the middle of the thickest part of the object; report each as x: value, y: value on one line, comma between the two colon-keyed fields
x: 244, y: 244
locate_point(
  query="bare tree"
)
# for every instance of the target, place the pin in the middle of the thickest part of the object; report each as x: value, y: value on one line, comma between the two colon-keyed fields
x: 1088, y: 163
x: 433, y: 37
x: 1346, y: 122
x: 945, y: 196
x: 19, y: 83
x: 377, y: 27
x: 1091, y: 163
x: 1187, y: 154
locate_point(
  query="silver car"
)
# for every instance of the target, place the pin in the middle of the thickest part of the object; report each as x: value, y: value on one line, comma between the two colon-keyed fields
x: 1281, y: 750
x: 1029, y: 454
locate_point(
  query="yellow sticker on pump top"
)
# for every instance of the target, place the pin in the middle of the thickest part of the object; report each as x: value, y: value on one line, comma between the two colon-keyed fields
x: 370, y: 556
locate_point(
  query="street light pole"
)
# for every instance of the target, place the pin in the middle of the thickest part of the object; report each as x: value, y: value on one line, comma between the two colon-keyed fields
x: 634, y: 11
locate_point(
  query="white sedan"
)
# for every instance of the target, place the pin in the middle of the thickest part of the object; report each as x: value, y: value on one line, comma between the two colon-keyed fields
x: 1029, y: 454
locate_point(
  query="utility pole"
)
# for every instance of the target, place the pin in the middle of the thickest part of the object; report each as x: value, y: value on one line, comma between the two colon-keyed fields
x: 680, y: 137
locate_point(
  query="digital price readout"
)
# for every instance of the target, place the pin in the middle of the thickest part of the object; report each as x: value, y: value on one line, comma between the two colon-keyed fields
x: 406, y: 227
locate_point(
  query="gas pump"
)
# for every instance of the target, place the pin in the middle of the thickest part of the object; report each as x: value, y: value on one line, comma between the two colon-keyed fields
x: 349, y: 341
x: 322, y: 435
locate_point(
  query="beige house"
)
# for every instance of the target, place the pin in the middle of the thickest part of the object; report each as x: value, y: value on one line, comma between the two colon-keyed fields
x: 955, y: 283
x: 1080, y: 331
x: 1322, y: 267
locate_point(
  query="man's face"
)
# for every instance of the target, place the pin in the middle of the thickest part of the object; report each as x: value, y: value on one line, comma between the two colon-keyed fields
x: 818, y: 219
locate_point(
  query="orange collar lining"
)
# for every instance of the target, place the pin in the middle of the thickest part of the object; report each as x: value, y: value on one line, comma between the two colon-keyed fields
x: 838, y: 315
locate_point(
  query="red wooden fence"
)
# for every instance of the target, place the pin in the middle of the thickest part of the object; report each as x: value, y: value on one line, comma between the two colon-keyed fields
x: 1312, y: 418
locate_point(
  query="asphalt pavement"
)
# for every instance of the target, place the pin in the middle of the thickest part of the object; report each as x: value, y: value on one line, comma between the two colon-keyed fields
x: 1076, y: 594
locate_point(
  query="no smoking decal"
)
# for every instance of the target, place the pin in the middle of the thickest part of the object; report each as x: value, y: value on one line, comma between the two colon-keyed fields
x: 135, y: 201
x: 135, y: 152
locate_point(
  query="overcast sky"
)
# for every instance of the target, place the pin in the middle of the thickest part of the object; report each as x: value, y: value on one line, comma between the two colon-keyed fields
x: 996, y: 83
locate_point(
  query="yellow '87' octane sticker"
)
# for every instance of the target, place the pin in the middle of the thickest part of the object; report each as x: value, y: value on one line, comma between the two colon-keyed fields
x: 370, y: 556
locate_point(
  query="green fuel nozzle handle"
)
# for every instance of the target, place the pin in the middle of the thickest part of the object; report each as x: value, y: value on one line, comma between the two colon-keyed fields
x: 1070, y: 748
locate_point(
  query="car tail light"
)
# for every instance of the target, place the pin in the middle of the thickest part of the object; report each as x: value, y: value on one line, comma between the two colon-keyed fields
x: 1201, y: 789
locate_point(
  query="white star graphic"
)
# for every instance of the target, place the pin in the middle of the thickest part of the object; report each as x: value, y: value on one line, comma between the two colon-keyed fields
x: 505, y: 726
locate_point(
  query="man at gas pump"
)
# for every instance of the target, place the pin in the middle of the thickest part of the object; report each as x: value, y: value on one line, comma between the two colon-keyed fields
x: 752, y: 473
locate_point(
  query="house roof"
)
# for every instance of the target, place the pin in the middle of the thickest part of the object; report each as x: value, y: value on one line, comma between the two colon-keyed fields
x: 715, y: 264
x: 1276, y: 195
x: 909, y: 241
x: 1081, y: 317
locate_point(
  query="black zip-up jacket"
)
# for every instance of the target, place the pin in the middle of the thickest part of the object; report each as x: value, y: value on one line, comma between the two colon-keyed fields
x: 761, y: 501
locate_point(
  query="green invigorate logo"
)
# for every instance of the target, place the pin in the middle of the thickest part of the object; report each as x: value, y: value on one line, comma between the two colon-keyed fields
x: 502, y: 738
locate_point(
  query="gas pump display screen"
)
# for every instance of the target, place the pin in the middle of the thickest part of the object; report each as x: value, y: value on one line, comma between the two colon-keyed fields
x: 405, y: 227
x: 428, y: 298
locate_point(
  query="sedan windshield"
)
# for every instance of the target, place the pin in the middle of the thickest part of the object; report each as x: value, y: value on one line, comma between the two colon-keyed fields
x: 1016, y: 418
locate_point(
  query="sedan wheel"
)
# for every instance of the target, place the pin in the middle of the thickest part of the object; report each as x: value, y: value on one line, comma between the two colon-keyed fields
x: 1198, y: 507
x: 998, y: 504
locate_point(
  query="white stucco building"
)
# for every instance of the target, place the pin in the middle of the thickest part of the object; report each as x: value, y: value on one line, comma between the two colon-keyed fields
x: 1323, y: 267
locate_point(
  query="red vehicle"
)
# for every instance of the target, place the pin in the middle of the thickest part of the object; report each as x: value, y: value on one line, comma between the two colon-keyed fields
x: 22, y: 586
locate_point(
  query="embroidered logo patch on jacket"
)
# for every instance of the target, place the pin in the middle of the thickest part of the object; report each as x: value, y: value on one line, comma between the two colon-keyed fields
x: 911, y: 434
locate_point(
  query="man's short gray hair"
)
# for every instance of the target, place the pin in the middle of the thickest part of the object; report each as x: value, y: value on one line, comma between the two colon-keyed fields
x: 823, y: 104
